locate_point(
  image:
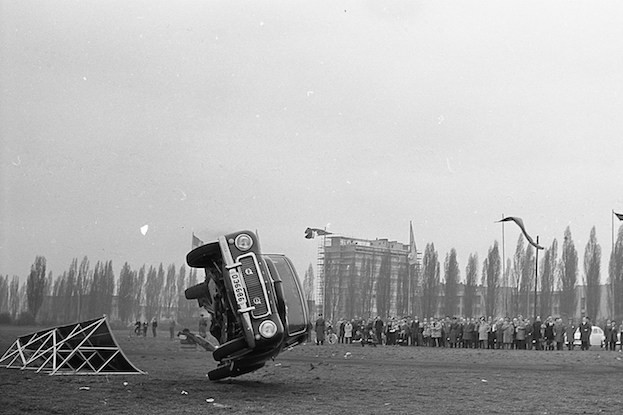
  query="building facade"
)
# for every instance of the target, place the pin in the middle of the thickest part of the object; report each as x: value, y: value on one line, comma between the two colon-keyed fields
x: 364, y: 278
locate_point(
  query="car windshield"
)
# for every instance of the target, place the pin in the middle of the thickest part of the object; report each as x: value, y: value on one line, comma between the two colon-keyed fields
x: 296, y: 316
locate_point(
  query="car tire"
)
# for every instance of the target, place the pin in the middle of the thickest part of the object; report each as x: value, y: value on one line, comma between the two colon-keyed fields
x: 220, y: 372
x: 229, y: 348
x: 246, y: 369
x: 196, y: 291
x: 201, y: 256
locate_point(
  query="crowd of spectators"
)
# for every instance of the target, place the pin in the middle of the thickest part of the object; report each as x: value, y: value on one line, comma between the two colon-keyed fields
x: 481, y: 333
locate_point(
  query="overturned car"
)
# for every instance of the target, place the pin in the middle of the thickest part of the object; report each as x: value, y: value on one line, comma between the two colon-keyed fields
x: 255, y: 302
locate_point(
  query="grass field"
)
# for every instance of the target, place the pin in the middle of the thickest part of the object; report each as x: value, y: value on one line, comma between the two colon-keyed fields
x: 338, y: 379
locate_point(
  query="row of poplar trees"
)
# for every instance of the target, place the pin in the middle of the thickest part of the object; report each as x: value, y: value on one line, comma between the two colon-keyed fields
x: 84, y: 292
x: 556, y: 274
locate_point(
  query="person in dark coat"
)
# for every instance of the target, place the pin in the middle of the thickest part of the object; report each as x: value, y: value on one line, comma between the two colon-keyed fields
x: 585, y: 333
x: 612, y: 336
x: 378, y: 329
x: 320, y: 328
x: 570, y: 334
x: 607, y: 329
x: 536, y: 333
x: 455, y: 332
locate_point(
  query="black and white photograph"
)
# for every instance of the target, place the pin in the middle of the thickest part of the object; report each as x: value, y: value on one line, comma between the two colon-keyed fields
x: 322, y: 207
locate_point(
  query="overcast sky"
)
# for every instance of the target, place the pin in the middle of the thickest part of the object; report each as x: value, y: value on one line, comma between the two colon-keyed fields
x: 361, y: 116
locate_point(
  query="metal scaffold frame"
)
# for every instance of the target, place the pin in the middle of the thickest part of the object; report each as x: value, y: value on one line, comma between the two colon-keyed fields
x: 86, y: 348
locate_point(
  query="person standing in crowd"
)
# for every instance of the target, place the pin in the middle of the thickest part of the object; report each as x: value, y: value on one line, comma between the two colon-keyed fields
x: 559, y: 333
x: 145, y: 325
x: 453, y: 337
x: 585, y: 333
x: 154, y: 326
x: 499, y: 333
x: 415, y: 332
x: 341, y: 333
x: 378, y: 329
x: 612, y: 340
x: 348, y: 332
x: 570, y: 333
x: 468, y: 332
x: 508, y: 330
x: 137, y: 328
x: 483, y: 332
x: 536, y: 333
x: 607, y: 329
x: 435, y: 332
x: 491, y: 334
x: 426, y: 329
x: 475, y: 333
x: 320, y: 328
x: 549, y: 333
x: 529, y: 329
x: 520, y: 334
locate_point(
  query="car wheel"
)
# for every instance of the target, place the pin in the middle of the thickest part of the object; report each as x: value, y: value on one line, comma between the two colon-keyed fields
x: 229, y: 348
x: 220, y: 372
x: 201, y: 256
x: 246, y: 369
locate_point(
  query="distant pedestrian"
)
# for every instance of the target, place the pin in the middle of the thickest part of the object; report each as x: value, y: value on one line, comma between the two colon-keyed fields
x: 348, y: 332
x: 154, y: 326
x: 613, y: 336
x: 320, y: 328
x: 145, y: 325
x: 570, y: 334
x: 585, y: 333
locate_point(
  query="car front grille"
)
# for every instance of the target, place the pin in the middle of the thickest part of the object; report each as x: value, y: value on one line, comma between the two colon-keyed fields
x: 255, y: 290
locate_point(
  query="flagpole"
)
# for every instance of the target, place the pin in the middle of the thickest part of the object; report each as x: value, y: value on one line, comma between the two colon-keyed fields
x: 536, y: 275
x: 409, y: 273
x: 612, y: 279
x: 504, y: 268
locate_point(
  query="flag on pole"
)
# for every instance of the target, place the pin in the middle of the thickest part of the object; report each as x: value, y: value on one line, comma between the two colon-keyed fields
x: 618, y: 215
x: 196, y: 242
x: 311, y: 233
x: 412, y: 248
x: 519, y: 223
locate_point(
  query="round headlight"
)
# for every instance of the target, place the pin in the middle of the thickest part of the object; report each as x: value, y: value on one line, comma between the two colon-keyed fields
x: 244, y: 242
x: 268, y: 329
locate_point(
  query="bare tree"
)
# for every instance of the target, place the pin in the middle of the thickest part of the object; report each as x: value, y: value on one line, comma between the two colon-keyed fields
x: 153, y: 290
x: 170, y: 290
x: 4, y: 294
x: 491, y: 270
x: 568, y: 276
x: 140, y: 294
x: 615, y: 271
x: 518, y: 263
x: 430, y: 283
x: 127, y: 292
x: 592, y: 271
x: 548, y: 278
x: 35, y: 285
x: 451, y: 277
x: 14, y: 297
x: 471, y: 280
x: 527, y: 279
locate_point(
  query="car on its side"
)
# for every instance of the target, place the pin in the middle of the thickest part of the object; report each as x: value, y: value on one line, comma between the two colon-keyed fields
x: 255, y: 302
